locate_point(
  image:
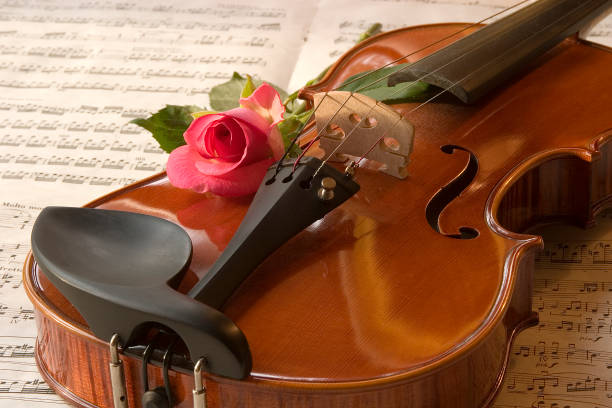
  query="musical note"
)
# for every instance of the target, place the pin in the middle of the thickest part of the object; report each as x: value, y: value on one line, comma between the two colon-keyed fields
x: 560, y: 306
x: 13, y: 215
x: 36, y: 386
x: 571, y: 287
x: 16, y: 315
x: 24, y: 350
x: 591, y: 255
x: 11, y: 254
x: 552, y: 351
x: 548, y: 382
x: 71, y: 178
x: 9, y: 276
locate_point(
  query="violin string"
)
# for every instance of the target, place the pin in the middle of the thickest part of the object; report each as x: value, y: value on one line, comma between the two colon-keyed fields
x: 302, y: 153
x: 298, y: 133
x: 462, y: 80
x: 439, y: 93
x: 422, y: 49
x: 412, y: 84
x: 351, y: 132
x: 303, y: 125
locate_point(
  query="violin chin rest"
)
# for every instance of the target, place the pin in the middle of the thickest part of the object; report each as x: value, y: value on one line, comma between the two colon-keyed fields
x: 114, y: 267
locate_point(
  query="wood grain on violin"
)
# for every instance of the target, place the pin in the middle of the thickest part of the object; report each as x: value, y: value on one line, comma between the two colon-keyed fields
x: 371, y: 306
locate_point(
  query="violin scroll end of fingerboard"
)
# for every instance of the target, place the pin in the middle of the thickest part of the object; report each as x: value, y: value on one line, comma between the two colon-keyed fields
x: 351, y: 124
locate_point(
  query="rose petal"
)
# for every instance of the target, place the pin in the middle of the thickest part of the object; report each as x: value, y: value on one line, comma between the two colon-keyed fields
x: 228, y: 153
x: 243, y: 180
x: 255, y: 149
x: 182, y: 173
x: 194, y: 132
x: 181, y: 168
x: 228, y: 141
x: 250, y: 117
x: 275, y: 140
x: 215, y: 167
x: 266, y: 102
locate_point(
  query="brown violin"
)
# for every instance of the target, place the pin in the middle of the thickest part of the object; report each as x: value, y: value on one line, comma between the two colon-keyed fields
x: 398, y: 281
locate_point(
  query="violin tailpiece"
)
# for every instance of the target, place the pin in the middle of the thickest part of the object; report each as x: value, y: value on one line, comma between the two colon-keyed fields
x: 356, y: 122
x: 285, y: 203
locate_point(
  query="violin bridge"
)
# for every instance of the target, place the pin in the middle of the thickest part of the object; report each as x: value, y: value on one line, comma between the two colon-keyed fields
x: 356, y: 122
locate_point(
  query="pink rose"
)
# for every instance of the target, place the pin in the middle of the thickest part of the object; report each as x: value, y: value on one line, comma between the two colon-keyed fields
x: 228, y: 153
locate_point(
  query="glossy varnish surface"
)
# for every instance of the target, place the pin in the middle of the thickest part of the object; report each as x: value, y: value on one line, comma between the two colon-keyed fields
x: 370, y: 305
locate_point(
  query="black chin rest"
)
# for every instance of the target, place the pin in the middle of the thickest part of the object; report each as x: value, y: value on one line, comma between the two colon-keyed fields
x: 114, y: 267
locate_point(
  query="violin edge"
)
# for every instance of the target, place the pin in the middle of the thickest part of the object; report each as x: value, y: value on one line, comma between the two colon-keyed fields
x: 94, y: 357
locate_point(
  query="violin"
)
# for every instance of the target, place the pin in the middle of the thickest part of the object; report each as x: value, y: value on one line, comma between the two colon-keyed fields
x: 406, y: 292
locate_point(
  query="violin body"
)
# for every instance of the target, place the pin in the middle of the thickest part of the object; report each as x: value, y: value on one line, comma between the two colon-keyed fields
x: 371, y: 306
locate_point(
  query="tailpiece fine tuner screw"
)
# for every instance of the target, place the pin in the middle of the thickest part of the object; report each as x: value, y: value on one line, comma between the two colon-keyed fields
x: 326, y: 192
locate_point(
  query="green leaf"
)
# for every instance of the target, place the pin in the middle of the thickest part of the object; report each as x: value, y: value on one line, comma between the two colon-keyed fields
x: 196, y: 115
x: 290, y: 127
x: 403, y: 92
x: 374, y: 29
x: 291, y: 103
x: 249, y: 87
x: 374, y: 84
x: 168, y: 125
x: 304, y: 116
x: 226, y: 96
x: 370, y: 79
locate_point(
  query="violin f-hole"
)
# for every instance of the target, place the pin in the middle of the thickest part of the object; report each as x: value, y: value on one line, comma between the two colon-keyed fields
x: 448, y: 193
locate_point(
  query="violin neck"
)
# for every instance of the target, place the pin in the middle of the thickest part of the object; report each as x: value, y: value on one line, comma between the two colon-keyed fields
x: 471, y: 67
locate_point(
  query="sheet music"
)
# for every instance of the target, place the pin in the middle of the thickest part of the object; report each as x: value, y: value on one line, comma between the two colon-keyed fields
x: 566, y: 360
x: 20, y: 382
x: 73, y: 74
